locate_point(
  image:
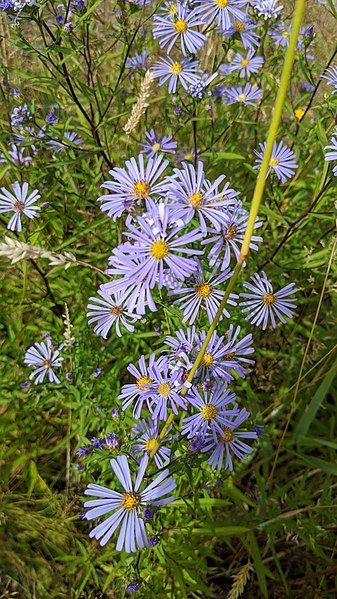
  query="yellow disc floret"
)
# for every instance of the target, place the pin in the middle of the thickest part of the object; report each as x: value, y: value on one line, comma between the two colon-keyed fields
x: 117, y: 310
x: 240, y: 26
x: 245, y: 62
x: 173, y: 9
x: 207, y: 359
x: 204, y: 290
x: 269, y: 299
x: 196, y: 200
x: 143, y: 382
x: 151, y: 445
x: 164, y: 389
x: 176, y: 68
x: 227, y: 436
x: 159, y: 249
x: 274, y: 161
x: 230, y: 233
x: 18, y: 206
x: 221, y: 3
x: 131, y: 501
x: 209, y: 412
x: 156, y: 147
x: 241, y: 97
x: 141, y: 189
x: 180, y: 26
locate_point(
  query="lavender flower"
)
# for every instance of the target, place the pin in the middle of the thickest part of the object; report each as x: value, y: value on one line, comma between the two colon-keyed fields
x: 237, y: 350
x: 19, y: 203
x: 247, y: 95
x: 246, y: 30
x: 280, y: 34
x: 247, y: 65
x: 212, y: 413
x: 154, y: 144
x: 263, y: 305
x: 126, y: 506
x: 229, y: 441
x: 43, y: 357
x: 230, y: 237
x: 282, y: 160
x: 81, y: 452
x: 97, y: 443
x: 109, y: 310
x: 165, y: 391
x: 224, y: 12
x: 215, y: 363
x: 147, y: 433
x: 183, y: 343
x: 20, y: 115
x: 191, y: 194
x: 132, y: 185
x: 17, y: 155
x: 268, y: 9
x: 137, y: 392
x: 71, y: 138
x: 330, y: 75
x: 183, y: 72
x: 111, y: 441
x: 181, y: 28
x: 332, y: 153
x: 203, y: 292
x: 133, y: 586
x: 138, y: 62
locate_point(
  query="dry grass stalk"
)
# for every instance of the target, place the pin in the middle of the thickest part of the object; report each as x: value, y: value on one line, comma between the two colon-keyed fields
x: 141, y: 104
x: 16, y: 250
x: 69, y: 338
x: 240, y: 580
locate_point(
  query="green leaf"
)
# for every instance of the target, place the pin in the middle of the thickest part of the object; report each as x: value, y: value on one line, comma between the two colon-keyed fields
x: 221, y: 531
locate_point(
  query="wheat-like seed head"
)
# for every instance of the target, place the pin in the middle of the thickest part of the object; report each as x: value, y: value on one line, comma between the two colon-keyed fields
x: 16, y: 250
x: 141, y: 105
x: 239, y: 581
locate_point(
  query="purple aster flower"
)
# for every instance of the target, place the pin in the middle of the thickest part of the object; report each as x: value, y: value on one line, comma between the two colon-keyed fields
x: 126, y: 506
x: 133, y: 586
x: 212, y: 413
x: 97, y: 373
x: 154, y: 144
x: 332, y: 153
x: 263, y: 305
x: 215, y: 363
x: 138, y: 62
x: 166, y: 387
x: 268, y: 9
x: 182, y: 344
x: 224, y: 12
x: 147, y: 433
x: 70, y: 139
x: 330, y: 76
x: 181, y: 28
x: 20, y: 115
x: 198, y: 89
x: 109, y: 310
x: 137, y: 392
x: 282, y: 160
x: 25, y: 385
x: 191, y: 194
x: 44, y: 357
x: 247, y: 95
x: 111, y: 441
x: 229, y: 442
x: 184, y: 72
x: 203, y: 291
x: 17, y: 155
x: 245, y: 28
x: 69, y: 377
x: 153, y: 541
x: 115, y: 413
x: 229, y: 239
x: 51, y: 118
x: 97, y: 443
x: 236, y: 351
x: 19, y: 203
x: 196, y: 444
x: 157, y: 243
x: 280, y: 34
x: 132, y: 185
x: 309, y: 87
x: 81, y: 452
x: 247, y: 65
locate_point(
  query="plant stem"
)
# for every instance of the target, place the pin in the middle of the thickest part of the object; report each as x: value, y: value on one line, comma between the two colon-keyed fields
x: 257, y: 195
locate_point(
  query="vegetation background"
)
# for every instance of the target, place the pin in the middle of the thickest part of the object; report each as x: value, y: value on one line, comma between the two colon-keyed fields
x: 272, y: 523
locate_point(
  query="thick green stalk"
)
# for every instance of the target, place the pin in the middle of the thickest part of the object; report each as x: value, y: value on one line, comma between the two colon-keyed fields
x: 257, y: 195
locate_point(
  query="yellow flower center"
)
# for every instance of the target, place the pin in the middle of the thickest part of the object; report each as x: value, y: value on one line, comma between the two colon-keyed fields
x: 159, y: 249
x: 151, y: 444
x: 227, y: 436
x: 209, y: 412
x: 189, y: 156
x: 46, y: 362
x: 196, y: 200
x: 230, y: 233
x: 285, y: 34
x: 207, y: 360
x: 117, y: 310
x: 204, y: 290
x: 143, y: 383
x: 245, y: 62
x: 131, y: 501
x: 240, y: 26
x: 221, y: 3
x: 164, y: 389
x: 173, y: 9
x: 156, y: 147
x: 273, y: 161
x: 269, y: 299
x: 18, y: 206
x: 176, y: 68
x: 141, y: 189
x: 241, y: 97
x: 229, y: 356
x: 180, y: 26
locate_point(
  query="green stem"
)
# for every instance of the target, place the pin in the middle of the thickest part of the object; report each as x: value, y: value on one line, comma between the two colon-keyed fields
x: 257, y: 195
